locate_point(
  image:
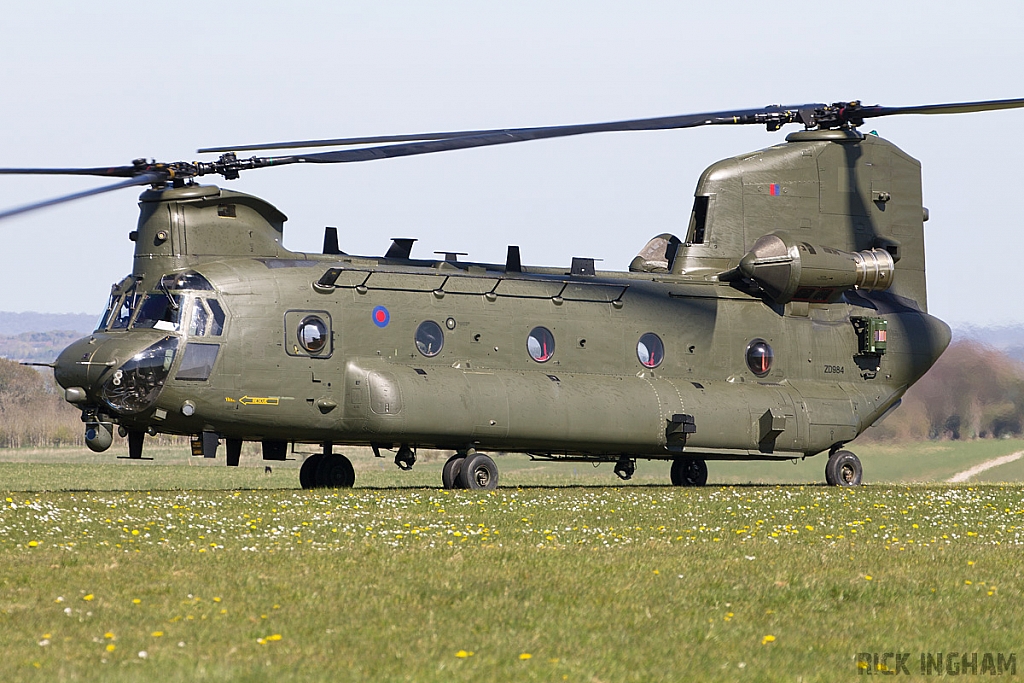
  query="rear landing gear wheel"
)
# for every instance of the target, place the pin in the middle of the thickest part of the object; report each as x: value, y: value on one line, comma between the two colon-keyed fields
x: 451, y: 470
x: 843, y: 469
x: 478, y: 472
x: 307, y: 473
x: 335, y: 472
x: 689, y: 472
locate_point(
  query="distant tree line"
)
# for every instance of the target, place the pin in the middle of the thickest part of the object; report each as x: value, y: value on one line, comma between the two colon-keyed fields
x: 33, y: 411
x: 973, y: 391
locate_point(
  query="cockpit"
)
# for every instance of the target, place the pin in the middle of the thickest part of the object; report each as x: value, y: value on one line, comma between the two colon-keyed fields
x: 178, y: 298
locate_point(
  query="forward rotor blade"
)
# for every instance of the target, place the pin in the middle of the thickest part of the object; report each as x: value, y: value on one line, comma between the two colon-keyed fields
x: 952, y: 108
x: 339, y: 142
x: 109, y: 172
x: 499, y: 136
x: 142, y: 179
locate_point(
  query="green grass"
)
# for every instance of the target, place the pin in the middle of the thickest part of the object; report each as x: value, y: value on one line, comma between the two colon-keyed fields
x: 172, y: 467
x: 219, y: 573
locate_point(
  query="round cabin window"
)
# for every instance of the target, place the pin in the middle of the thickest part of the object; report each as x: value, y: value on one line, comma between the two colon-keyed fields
x: 650, y: 350
x: 760, y: 357
x: 541, y: 344
x: 429, y: 338
x: 313, y: 334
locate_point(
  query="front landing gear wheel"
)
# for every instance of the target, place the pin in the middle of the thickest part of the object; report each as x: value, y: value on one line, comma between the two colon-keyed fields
x: 843, y: 469
x: 478, y: 472
x: 307, y: 473
x: 450, y: 472
x: 335, y: 472
x: 689, y: 472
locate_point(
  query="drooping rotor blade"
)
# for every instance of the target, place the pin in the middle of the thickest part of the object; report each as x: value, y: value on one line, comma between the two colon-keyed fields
x: 763, y: 115
x: 142, y: 179
x: 109, y: 172
x: 339, y: 142
x: 773, y: 117
x: 952, y: 108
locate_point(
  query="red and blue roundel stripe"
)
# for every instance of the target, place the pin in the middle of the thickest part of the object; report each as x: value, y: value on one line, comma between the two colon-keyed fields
x: 381, y: 317
x: 774, y: 189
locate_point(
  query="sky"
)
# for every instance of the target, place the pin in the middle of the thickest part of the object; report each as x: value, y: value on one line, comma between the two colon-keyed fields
x: 97, y: 84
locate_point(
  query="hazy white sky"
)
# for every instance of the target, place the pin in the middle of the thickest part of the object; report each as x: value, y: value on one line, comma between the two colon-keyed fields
x: 103, y: 83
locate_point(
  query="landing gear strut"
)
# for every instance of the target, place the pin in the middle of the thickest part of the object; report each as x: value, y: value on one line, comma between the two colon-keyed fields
x: 405, y: 458
x: 843, y: 469
x: 689, y: 472
x: 625, y: 468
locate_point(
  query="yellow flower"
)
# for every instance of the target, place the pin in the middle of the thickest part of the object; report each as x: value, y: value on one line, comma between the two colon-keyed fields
x: 525, y: 655
x: 111, y: 647
x: 276, y: 636
x: 867, y: 577
x: 136, y: 601
x: 768, y: 639
x: 157, y: 634
x: 462, y: 654
x: 108, y: 635
x: 89, y: 597
x: 33, y: 544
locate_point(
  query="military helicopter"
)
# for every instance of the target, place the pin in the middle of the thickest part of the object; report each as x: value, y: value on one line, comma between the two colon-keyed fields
x: 788, y: 318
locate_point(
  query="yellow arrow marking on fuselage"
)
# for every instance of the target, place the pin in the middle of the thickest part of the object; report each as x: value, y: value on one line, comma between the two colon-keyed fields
x: 260, y: 400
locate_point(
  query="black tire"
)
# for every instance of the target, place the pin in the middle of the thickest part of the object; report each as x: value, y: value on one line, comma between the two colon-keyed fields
x: 307, y: 473
x: 451, y: 470
x: 335, y: 472
x: 478, y: 472
x: 689, y: 472
x: 843, y: 469
x: 830, y: 478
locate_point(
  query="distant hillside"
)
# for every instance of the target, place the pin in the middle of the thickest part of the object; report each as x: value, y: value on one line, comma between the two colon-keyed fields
x: 39, y: 337
x: 1007, y: 338
x: 36, y: 347
x: 18, y: 323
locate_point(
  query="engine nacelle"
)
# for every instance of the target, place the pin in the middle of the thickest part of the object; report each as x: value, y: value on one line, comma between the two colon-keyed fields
x: 788, y: 270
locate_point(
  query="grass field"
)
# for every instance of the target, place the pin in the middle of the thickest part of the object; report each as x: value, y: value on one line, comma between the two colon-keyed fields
x: 141, y: 571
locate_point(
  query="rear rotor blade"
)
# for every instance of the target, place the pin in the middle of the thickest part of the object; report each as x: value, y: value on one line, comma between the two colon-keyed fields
x: 142, y: 179
x: 775, y: 116
x: 762, y: 115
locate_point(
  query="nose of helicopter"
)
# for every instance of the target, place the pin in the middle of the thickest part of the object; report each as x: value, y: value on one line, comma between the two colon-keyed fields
x: 81, y: 365
x: 125, y: 372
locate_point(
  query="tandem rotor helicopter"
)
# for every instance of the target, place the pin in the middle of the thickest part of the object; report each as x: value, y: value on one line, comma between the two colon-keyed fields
x: 789, y: 317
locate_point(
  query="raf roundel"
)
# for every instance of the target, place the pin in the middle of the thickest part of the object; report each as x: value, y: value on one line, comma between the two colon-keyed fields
x: 381, y: 317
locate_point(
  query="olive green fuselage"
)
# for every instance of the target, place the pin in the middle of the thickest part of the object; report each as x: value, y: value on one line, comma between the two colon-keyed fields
x: 596, y: 394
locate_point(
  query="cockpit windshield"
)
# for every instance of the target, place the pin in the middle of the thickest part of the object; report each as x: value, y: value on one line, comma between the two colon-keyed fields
x: 159, y: 311
x: 162, y: 309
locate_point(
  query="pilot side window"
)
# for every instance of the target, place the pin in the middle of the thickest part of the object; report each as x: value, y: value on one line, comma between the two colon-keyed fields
x: 217, y: 323
x: 197, y: 328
